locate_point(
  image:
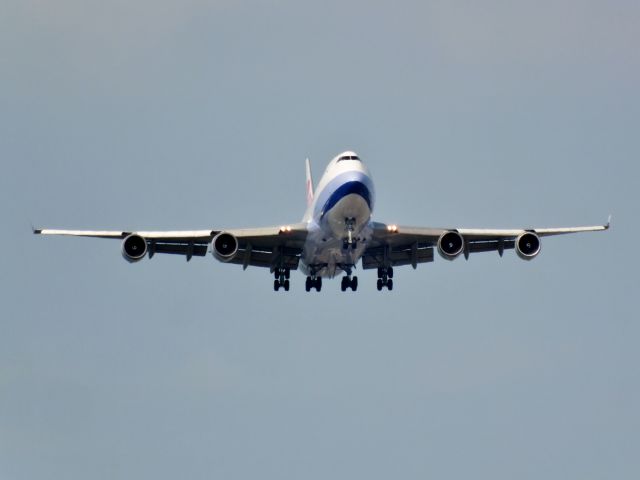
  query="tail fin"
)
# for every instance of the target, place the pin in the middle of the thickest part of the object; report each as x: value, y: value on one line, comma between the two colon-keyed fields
x: 309, y: 184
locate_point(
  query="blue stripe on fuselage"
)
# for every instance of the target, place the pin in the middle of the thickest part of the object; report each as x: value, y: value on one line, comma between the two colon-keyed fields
x: 324, y: 195
x: 349, y: 188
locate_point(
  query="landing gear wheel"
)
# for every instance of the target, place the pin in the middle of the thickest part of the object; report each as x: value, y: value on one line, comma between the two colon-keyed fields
x: 287, y: 273
x: 286, y: 285
x: 313, y: 283
x: 276, y: 285
x: 346, y: 245
x: 276, y: 274
x: 385, y: 275
x: 349, y: 282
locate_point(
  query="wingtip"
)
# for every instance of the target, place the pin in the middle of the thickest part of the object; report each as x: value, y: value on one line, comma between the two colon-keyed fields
x: 608, y: 224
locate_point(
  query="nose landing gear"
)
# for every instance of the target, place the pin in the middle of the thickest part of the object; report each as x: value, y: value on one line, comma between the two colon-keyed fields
x: 349, y: 241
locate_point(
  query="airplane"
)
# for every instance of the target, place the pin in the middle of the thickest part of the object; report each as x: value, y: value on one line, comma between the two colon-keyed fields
x: 336, y: 232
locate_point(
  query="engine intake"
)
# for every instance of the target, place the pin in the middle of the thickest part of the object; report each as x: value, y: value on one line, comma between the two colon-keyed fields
x: 450, y: 245
x: 224, y: 246
x: 528, y: 246
x: 134, y: 248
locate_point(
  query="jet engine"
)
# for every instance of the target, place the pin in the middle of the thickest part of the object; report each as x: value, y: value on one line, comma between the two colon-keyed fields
x: 224, y: 246
x: 134, y: 248
x: 450, y: 245
x: 528, y: 245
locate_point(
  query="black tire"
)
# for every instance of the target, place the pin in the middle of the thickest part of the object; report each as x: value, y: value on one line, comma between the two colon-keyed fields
x: 286, y: 285
x: 287, y: 273
x: 390, y: 284
x: 390, y: 272
x: 354, y: 284
x: 276, y: 285
x: 307, y: 284
x: 343, y: 284
x: 276, y: 274
x: 318, y: 284
x: 379, y: 285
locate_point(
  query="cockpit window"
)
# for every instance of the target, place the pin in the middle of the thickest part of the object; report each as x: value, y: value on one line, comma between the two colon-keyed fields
x: 348, y: 157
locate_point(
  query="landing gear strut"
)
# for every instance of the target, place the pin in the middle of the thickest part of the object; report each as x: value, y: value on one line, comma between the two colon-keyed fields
x: 385, y: 278
x: 281, y: 276
x: 349, y: 242
x: 313, y: 282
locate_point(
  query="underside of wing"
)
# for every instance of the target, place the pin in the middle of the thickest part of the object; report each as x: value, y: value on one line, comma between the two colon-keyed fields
x: 394, y: 245
x: 269, y: 247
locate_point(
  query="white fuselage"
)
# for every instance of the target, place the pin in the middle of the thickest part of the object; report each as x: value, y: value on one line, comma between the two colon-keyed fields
x: 339, y: 218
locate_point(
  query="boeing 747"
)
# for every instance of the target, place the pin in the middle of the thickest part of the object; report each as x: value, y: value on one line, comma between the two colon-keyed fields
x: 336, y: 233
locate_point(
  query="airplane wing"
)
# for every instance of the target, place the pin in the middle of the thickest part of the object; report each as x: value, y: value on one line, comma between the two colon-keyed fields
x: 269, y: 247
x: 394, y: 245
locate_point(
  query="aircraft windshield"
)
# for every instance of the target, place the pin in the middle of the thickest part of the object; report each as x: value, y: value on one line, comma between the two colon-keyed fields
x: 349, y: 157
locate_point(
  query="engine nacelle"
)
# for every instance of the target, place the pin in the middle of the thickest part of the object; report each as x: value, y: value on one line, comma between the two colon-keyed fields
x: 528, y: 245
x: 134, y: 248
x: 224, y: 246
x: 450, y: 245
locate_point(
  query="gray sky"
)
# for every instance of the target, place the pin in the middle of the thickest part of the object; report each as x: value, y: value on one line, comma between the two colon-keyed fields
x: 195, y: 114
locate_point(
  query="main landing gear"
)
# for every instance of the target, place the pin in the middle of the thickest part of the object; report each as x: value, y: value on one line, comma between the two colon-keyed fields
x: 385, y: 278
x: 313, y: 282
x: 281, y: 276
x: 349, y: 282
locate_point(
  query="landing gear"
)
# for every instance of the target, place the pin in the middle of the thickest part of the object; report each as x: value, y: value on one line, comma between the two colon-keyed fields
x: 277, y: 284
x: 349, y: 282
x: 349, y: 242
x: 385, y: 276
x: 313, y: 282
x: 353, y: 245
x: 282, y: 273
x: 382, y: 272
x: 281, y: 276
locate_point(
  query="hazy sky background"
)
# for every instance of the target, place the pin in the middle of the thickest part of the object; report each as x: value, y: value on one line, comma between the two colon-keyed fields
x: 198, y: 114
